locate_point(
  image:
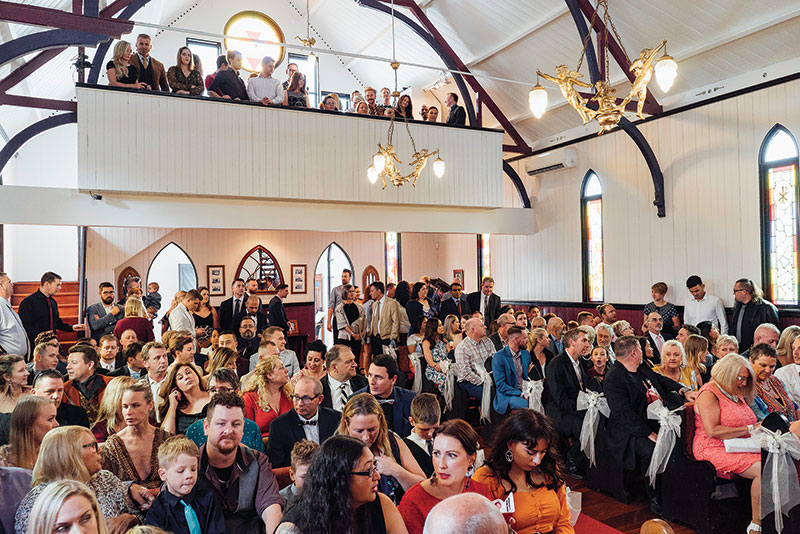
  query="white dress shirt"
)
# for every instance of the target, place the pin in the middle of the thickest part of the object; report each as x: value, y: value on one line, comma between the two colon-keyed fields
x: 260, y: 87
x: 13, y: 337
x: 709, y: 308
x: 790, y: 376
x: 338, y: 400
x: 154, y: 387
x: 417, y: 440
x: 576, y: 364
x: 107, y: 366
x: 311, y: 431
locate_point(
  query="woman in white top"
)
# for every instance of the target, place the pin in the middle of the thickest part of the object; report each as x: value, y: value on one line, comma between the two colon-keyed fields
x: 790, y: 374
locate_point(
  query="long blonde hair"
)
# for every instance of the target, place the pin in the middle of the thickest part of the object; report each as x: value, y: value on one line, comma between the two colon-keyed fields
x: 119, y: 50
x: 134, y: 307
x: 61, y: 456
x: 259, y: 382
x: 534, y: 336
x: 110, y: 409
x: 696, y: 350
x: 44, y: 515
x: 20, y: 435
x: 220, y: 357
x: 366, y: 404
x: 789, y: 334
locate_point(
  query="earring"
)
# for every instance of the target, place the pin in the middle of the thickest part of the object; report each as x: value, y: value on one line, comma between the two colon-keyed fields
x: 509, y: 456
x: 433, y: 478
x: 470, y: 471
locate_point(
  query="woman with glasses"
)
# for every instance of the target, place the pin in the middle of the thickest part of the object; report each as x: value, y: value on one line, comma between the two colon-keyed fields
x: 71, y: 452
x: 340, y: 494
x: 722, y: 412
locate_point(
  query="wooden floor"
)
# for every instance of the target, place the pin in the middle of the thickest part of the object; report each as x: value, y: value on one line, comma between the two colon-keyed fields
x: 627, y: 518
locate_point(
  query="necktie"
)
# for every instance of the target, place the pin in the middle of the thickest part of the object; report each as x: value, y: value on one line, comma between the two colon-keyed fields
x: 50, y: 313
x: 145, y: 62
x: 343, y: 390
x: 485, y: 304
x: 429, y: 443
x: 310, y: 423
x: 236, y: 307
x: 459, y: 306
x: 376, y: 320
x: 191, y: 518
x: 659, y: 342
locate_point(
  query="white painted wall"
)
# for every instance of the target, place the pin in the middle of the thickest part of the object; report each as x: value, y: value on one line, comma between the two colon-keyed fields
x: 30, y: 251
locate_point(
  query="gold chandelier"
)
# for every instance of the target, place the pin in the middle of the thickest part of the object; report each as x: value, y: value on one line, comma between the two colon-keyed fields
x: 608, y: 111
x: 308, y: 41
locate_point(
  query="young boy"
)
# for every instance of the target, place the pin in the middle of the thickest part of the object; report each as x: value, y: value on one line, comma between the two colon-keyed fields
x: 425, y: 416
x: 183, y: 507
x: 153, y: 297
x: 302, y: 453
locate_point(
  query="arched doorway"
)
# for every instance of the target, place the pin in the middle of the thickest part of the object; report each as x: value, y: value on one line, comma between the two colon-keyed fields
x: 327, y: 275
x: 174, y: 271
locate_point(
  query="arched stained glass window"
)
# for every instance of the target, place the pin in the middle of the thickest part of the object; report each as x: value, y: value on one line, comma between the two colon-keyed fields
x: 392, y: 253
x: 779, y: 225
x: 260, y: 265
x: 592, y: 234
x: 254, y: 25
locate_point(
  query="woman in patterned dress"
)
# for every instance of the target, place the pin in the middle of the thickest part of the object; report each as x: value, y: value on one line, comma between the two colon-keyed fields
x: 435, y: 350
x: 771, y: 393
x: 667, y: 311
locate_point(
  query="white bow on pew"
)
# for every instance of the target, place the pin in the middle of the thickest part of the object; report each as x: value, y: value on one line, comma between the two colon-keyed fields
x: 486, y: 399
x: 532, y: 390
x: 668, y: 432
x: 595, y: 404
x: 414, y: 358
x: 780, y: 491
x: 449, y: 370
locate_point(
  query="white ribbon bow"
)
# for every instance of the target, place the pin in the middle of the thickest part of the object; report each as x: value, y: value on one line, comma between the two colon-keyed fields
x: 779, y: 486
x: 595, y: 404
x: 668, y: 432
x: 486, y: 399
x: 414, y: 358
x: 532, y: 390
x: 449, y: 370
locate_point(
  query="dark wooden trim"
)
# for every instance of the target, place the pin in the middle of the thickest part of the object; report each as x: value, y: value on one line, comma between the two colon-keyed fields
x: 297, y: 304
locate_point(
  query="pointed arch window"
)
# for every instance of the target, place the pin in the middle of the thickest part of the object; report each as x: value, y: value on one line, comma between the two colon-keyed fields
x: 392, y: 254
x: 592, y: 236
x: 779, y: 225
x: 260, y: 265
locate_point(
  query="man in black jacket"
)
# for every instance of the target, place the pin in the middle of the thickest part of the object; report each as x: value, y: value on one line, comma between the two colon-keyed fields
x: 457, y: 115
x: 456, y: 305
x: 630, y: 387
x: 230, y: 309
x: 39, y: 311
x: 341, y: 381
x: 277, y: 313
x: 751, y: 311
x: 485, y: 301
x: 50, y: 384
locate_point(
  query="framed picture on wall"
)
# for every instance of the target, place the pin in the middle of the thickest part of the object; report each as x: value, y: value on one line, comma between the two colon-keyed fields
x: 458, y: 274
x: 292, y: 326
x: 299, y: 278
x: 216, y: 280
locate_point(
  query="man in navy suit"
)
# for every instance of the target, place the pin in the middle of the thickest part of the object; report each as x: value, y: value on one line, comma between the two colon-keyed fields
x: 509, y: 368
x: 277, y: 313
x: 395, y: 401
x: 231, y: 308
x: 308, y: 420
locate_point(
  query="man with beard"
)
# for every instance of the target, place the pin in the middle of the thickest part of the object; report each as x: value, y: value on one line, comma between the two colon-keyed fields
x: 103, y: 315
x: 248, y: 340
x: 241, y: 477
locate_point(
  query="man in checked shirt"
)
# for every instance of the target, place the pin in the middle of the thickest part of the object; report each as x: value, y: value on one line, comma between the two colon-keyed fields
x: 471, y: 354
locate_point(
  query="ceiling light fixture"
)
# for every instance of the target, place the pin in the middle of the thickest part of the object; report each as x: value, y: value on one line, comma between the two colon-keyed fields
x: 308, y: 41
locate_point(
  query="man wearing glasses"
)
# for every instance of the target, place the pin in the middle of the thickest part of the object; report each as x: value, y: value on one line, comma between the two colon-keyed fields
x: 308, y: 420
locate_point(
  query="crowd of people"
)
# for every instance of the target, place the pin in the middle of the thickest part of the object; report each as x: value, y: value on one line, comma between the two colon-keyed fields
x: 139, y: 70
x: 218, y: 427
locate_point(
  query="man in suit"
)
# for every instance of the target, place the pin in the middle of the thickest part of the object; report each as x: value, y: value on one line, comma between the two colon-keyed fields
x: 629, y: 388
x: 336, y: 298
x: 751, y: 311
x: 110, y: 357
x: 181, y: 317
x: 233, y: 307
x: 103, y: 315
x: 134, y: 365
x: 565, y: 378
x: 308, y: 420
x: 457, y: 114
x: 227, y: 83
x: 509, y: 369
x: 500, y: 338
x: 277, y: 313
x: 385, y: 322
x: 151, y: 71
x: 252, y: 290
x: 341, y: 381
x: 85, y: 386
x: 13, y: 337
x: 457, y: 303
x: 50, y: 384
x: 654, y: 336
x: 485, y: 301
x: 395, y: 401
x: 39, y: 311
x: 252, y: 309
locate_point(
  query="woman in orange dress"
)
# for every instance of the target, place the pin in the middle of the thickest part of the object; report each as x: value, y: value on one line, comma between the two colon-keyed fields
x: 524, y: 463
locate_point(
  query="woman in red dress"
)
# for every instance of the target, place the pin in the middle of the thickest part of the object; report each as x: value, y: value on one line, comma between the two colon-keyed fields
x: 267, y: 394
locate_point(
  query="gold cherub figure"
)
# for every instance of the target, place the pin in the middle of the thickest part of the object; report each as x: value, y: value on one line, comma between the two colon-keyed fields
x: 642, y: 67
x: 567, y: 80
x: 608, y: 112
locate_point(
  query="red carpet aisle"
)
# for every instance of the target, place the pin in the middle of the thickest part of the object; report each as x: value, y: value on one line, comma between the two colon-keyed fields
x: 587, y: 525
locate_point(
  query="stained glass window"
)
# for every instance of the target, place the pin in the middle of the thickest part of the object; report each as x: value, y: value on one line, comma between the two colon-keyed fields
x: 257, y: 26
x: 484, y: 256
x: 592, y: 213
x: 779, y: 164
x: 260, y: 265
x: 392, y: 257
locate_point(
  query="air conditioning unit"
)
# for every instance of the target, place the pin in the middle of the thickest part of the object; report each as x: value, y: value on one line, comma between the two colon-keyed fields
x: 554, y: 160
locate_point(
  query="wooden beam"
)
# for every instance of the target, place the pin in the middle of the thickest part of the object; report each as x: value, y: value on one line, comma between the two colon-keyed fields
x: 54, y: 18
x: 38, y: 103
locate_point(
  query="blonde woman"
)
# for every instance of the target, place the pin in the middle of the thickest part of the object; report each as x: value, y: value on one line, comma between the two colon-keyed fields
x: 31, y: 420
x: 452, y: 331
x: 222, y: 357
x: 109, y: 415
x: 725, y: 345
x: 71, y: 452
x: 135, y: 319
x: 119, y: 70
x: 673, y: 365
x: 696, y: 348
x: 785, y: 353
x: 13, y: 381
x: 67, y: 506
x: 267, y: 394
x: 538, y: 343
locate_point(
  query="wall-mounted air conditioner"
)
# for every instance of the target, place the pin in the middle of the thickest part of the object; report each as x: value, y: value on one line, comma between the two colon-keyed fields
x: 553, y: 160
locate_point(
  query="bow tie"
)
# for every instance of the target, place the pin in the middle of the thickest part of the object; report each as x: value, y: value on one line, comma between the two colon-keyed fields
x: 303, y: 423
x: 385, y: 401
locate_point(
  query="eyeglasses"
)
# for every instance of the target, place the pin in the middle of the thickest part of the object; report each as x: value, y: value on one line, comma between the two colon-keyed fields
x: 303, y: 400
x: 743, y: 379
x: 218, y: 389
x: 368, y: 472
x: 92, y: 445
x: 738, y: 290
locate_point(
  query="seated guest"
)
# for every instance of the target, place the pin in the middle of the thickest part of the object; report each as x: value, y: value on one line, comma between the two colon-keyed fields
x: 314, y: 362
x: 604, y: 336
x: 425, y: 416
x: 433, y: 114
x: 185, y: 77
x: 228, y: 340
x: 394, y: 400
x: 654, y: 334
x: 85, y: 386
x: 296, y: 94
x: 771, y: 394
x: 45, y: 357
x: 265, y: 350
x: 223, y: 357
x: 598, y: 368
x: 363, y: 418
x: 186, y: 395
x: 136, y: 320
x: 509, y: 369
x: 264, y: 88
x: 32, y: 418
x: 725, y: 345
x: 434, y: 350
x: 109, y: 416
x: 302, y: 453
x: 132, y: 453
x: 585, y: 318
x: 722, y: 412
x: 790, y: 374
x: 50, y: 384
x: 455, y: 448
x: 134, y: 365
x: 537, y: 346
x: 156, y: 362
x: 500, y: 338
x: 213, y: 342
x: 405, y: 110
x: 623, y: 328
x: 523, y: 461
x: 784, y: 347
x: 126, y: 339
x: 339, y: 494
x: 472, y: 354
x: 467, y: 513
x: 420, y: 304
x: 452, y: 332
x: 67, y: 506
x: 307, y: 420
x: 341, y: 381
x: 266, y: 395
x: 14, y: 485
x: 227, y: 83
x: 109, y: 352
x: 222, y: 64
x: 696, y: 362
x: 248, y: 340
x: 555, y: 329
x: 521, y: 319
x: 181, y: 348
x: 668, y: 312
x: 630, y: 387
x: 120, y: 72
x: 72, y: 453
x: 685, y: 331
x: 184, y: 506
x: 288, y: 356
x: 13, y: 381
x: 672, y: 365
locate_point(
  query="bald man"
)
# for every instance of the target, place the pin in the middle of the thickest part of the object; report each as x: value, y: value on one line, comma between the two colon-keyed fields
x: 555, y: 327
x: 465, y: 513
x: 500, y: 338
x: 765, y: 333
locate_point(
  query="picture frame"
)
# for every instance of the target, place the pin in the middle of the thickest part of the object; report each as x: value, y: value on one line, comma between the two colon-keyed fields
x: 216, y: 280
x: 298, y: 283
x: 458, y: 274
x: 293, y: 328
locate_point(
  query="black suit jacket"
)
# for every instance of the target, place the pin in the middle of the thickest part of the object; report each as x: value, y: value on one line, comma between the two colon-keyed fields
x: 626, y: 395
x: 356, y: 383
x: 422, y: 457
x: 562, y: 387
x: 35, y: 315
x: 226, y: 314
x: 491, y: 313
x: 496, y: 341
x: 449, y: 307
x: 401, y: 409
x: 286, y: 430
x: 277, y: 314
x: 656, y: 353
x: 457, y: 116
x: 754, y: 315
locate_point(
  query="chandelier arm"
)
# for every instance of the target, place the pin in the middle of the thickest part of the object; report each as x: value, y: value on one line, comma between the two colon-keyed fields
x: 610, y: 22
x: 586, y: 39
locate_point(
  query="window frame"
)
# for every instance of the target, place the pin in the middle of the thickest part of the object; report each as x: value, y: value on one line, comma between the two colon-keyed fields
x: 293, y: 57
x: 386, y: 257
x: 585, y: 200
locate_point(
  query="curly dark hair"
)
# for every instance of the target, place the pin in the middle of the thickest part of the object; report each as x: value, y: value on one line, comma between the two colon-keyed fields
x: 528, y: 427
x: 402, y: 293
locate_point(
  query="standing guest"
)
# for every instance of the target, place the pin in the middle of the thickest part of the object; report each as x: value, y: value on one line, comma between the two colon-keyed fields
x: 394, y: 400
x: 109, y: 415
x: 404, y: 109
x: 13, y: 337
x: 771, y: 393
x: 524, y: 462
x: 33, y: 417
x: 230, y: 309
x: 227, y: 83
x: 181, y: 317
x: 85, y: 386
x: 222, y: 64
x: 67, y: 506
x: 433, y: 114
x: 266, y: 396
x: 350, y: 320
x: 314, y: 366
x: 120, y: 71
x: 39, y: 311
x: 455, y: 448
x: 277, y: 312
x: 132, y: 453
x: 751, y: 310
x: 703, y: 306
x: 185, y: 78
x: 307, y: 420
x: 151, y: 71
x: 372, y: 105
x: 205, y: 316
x: 187, y: 398
x: 673, y: 366
x: 296, y: 94
x: 103, y: 316
x: 419, y: 305
x: 264, y: 88
x: 252, y: 309
x: 434, y: 350
x: 252, y: 286
x: 341, y: 381
x: 156, y: 360
x: 423, y: 113
x: 456, y: 304
x: 337, y: 295
x: 456, y: 114
x: 291, y: 68
x: 485, y: 301
x: 50, y: 385
x: 385, y: 326
x: 386, y: 99
x: 509, y: 369
x: 363, y: 418
x: 538, y: 342
x: 668, y: 312
x: 135, y: 319
x: 302, y: 453
x: 470, y: 355
x: 354, y: 96
x: 110, y: 355
x: 13, y: 381
x: 425, y: 417
x: 654, y: 335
